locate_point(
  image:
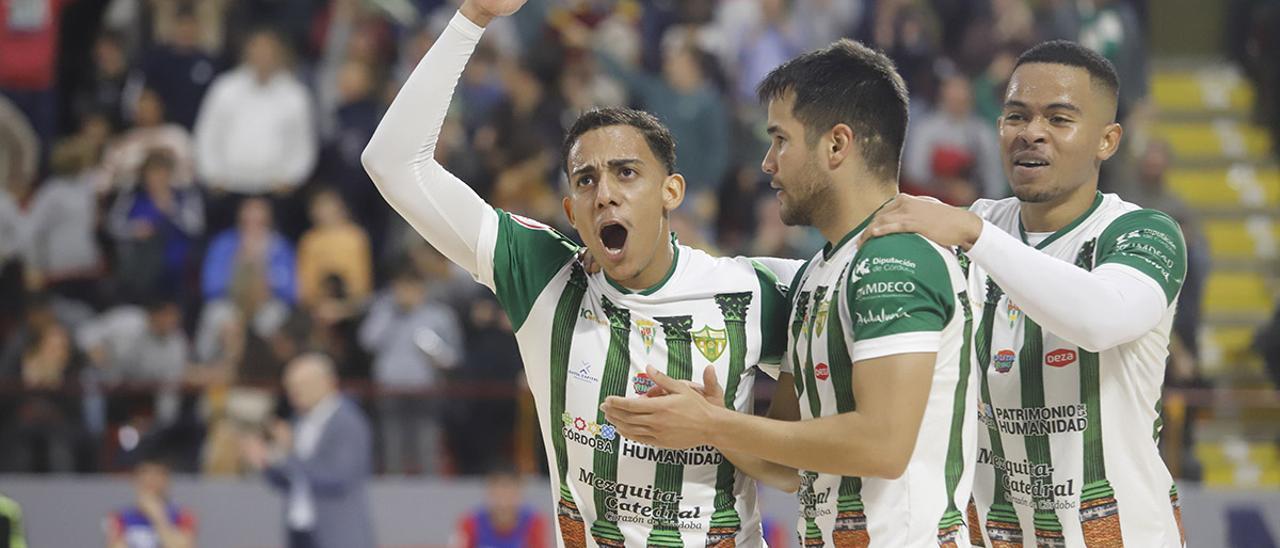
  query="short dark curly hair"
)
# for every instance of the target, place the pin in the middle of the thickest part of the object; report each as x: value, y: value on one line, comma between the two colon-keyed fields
x: 660, y: 140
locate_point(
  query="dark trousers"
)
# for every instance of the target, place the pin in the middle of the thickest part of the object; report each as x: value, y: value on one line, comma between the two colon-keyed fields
x: 301, y: 539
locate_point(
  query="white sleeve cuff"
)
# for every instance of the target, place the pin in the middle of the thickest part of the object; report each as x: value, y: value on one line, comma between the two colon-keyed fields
x: 466, y: 27
x: 902, y: 343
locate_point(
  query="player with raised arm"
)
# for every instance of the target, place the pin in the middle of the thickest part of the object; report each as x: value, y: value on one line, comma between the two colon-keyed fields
x: 879, y: 336
x: 584, y: 337
x: 1078, y: 291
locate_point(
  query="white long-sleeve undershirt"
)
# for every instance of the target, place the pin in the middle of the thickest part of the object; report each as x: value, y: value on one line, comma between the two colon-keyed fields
x: 400, y: 158
x: 1111, y: 305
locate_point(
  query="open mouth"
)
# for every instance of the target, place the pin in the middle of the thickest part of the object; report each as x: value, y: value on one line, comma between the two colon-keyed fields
x: 614, y: 237
x: 1031, y: 163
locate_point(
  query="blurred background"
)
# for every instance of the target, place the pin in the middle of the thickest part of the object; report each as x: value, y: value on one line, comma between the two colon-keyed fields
x: 184, y: 211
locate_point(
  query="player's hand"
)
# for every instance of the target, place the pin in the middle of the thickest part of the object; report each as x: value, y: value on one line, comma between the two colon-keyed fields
x: 945, y: 225
x: 481, y: 12
x: 677, y: 420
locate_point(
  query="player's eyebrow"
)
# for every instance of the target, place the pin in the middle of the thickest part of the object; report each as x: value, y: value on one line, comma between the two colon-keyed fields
x: 773, y: 129
x: 1050, y: 106
x: 613, y: 164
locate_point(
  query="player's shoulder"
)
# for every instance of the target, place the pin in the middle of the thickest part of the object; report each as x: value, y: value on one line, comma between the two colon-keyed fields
x: 995, y: 210
x: 905, y: 245
x: 1119, y: 214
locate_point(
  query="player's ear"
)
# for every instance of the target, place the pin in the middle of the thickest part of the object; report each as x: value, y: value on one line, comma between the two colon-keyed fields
x: 672, y: 191
x: 838, y: 145
x: 568, y: 211
x: 1110, y: 141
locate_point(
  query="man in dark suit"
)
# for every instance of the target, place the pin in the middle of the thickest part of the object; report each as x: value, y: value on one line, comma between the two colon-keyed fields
x: 320, y: 462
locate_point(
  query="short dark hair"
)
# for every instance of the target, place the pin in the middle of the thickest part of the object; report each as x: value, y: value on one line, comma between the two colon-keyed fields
x: 661, y: 143
x: 1064, y: 52
x: 847, y: 83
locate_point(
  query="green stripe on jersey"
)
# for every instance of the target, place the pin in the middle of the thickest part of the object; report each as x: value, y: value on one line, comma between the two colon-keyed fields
x: 955, y: 446
x: 805, y: 377
x: 849, y: 507
x: 617, y: 366
x: 566, y: 317
x: 669, y: 477
x: 1002, y: 519
x: 733, y: 306
x: 1031, y: 369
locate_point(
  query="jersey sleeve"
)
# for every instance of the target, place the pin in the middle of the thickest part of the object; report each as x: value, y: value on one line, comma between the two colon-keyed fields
x: 526, y: 256
x: 1150, y: 242
x: 773, y: 319
x: 899, y: 297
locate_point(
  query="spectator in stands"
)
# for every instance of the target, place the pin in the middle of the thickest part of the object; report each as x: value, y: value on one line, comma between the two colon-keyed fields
x: 255, y: 134
x: 19, y: 160
x: 414, y: 339
x: 333, y: 247
x: 253, y: 240
x: 63, y: 253
x: 138, y: 344
x: 1152, y: 192
x: 684, y: 99
x: 492, y: 361
x: 1112, y: 28
x: 505, y: 521
x: 948, y: 139
x: 154, y: 521
x: 12, y: 534
x: 29, y: 40
x: 104, y: 87
x: 42, y: 430
x: 156, y: 226
x: 321, y: 461
x: 356, y: 117
x: 122, y: 162
x: 180, y: 67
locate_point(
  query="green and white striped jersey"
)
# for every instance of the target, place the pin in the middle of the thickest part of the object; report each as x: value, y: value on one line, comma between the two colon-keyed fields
x: 897, y: 294
x: 583, y: 338
x: 1068, y: 444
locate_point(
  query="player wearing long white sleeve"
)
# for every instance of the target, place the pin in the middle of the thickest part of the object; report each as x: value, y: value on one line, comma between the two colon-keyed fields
x: 1076, y: 293
x: 584, y: 337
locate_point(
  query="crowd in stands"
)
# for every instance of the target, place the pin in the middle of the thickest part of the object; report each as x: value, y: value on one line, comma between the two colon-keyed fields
x: 184, y: 210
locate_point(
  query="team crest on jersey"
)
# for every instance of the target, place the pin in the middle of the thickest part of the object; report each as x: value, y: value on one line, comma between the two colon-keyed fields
x: 710, y: 342
x: 648, y: 330
x: 1003, y: 360
x: 642, y: 383
x: 820, y: 318
x: 1014, y: 314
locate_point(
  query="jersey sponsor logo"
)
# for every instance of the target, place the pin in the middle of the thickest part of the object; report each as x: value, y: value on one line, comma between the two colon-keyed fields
x: 644, y: 504
x: 642, y: 383
x: 883, y: 264
x: 881, y: 317
x: 822, y: 371
x: 820, y: 318
x: 885, y: 289
x: 589, y: 433
x: 862, y: 268
x: 584, y: 374
x: 702, y: 455
x: 812, y: 501
x: 1003, y: 360
x: 1061, y: 357
x: 591, y: 316
x: 1041, y: 421
x: 710, y: 342
x: 648, y: 331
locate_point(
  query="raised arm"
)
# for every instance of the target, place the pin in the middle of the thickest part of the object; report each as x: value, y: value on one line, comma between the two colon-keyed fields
x: 400, y: 158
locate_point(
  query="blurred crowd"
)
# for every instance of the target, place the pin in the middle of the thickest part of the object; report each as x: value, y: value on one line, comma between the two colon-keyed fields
x: 184, y: 209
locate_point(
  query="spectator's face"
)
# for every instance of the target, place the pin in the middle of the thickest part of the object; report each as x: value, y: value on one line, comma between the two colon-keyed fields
x: 1155, y: 161
x: 263, y: 54
x: 150, y: 110
x: 682, y: 70
x: 619, y: 198
x: 109, y: 57
x: 1056, y: 129
x: 166, y: 319
x: 186, y: 32
x: 802, y: 184
x: 327, y: 210
x: 307, y: 383
x: 151, y: 478
x: 354, y: 82
x: 407, y: 293
x: 255, y: 216
x: 157, y: 178
x: 504, y: 495
x: 956, y: 97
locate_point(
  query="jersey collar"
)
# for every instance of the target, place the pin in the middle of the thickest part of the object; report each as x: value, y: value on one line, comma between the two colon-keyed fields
x: 1022, y: 231
x: 829, y: 250
x: 675, y: 260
